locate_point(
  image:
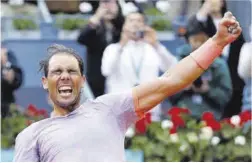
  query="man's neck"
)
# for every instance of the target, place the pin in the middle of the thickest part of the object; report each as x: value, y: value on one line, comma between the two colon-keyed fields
x: 59, y: 111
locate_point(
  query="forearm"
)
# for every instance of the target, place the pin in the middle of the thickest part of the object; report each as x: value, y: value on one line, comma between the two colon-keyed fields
x: 184, y: 73
x: 177, y: 77
x: 192, y: 66
x: 172, y: 81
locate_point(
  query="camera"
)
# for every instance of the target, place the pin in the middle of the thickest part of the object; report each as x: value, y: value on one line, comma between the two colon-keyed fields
x: 140, y: 34
x: 198, y: 82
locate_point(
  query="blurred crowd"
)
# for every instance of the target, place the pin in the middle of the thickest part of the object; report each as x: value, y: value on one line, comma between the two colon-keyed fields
x: 123, y: 51
x: 123, y: 54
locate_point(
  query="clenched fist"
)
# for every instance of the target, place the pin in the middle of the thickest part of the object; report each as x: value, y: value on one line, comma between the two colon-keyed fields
x: 228, y: 30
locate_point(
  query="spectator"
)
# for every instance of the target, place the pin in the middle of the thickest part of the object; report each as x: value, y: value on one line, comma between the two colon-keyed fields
x: 11, y: 79
x: 209, y: 16
x: 210, y: 92
x: 104, y: 28
x: 137, y: 58
x: 244, y: 70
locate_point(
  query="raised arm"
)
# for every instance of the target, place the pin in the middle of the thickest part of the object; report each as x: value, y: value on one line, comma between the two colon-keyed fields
x: 110, y: 59
x: 187, y: 70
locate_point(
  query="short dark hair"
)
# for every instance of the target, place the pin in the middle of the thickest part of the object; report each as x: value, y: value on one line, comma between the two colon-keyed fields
x: 194, y: 27
x: 57, y: 49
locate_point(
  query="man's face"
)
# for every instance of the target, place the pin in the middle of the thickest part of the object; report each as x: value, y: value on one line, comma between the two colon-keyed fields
x: 64, y: 80
x: 197, y: 40
x: 134, y: 22
x: 112, y: 9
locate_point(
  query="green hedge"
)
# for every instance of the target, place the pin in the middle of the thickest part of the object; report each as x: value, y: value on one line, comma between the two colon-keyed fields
x: 24, y: 24
x: 70, y: 23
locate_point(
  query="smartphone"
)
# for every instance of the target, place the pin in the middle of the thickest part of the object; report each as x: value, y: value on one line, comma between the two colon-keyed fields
x: 140, y: 34
x: 198, y: 82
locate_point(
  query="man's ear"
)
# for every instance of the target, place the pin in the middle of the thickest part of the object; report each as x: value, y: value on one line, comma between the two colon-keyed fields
x: 45, y: 83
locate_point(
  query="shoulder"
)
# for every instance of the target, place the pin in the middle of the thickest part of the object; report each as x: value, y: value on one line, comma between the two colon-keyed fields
x: 114, y: 99
x: 30, y: 133
x: 26, y: 135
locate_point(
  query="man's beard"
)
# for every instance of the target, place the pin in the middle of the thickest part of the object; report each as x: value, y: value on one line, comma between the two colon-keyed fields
x: 72, y: 106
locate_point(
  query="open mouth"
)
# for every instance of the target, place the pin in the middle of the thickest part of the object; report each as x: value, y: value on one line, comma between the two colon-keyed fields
x: 65, y: 91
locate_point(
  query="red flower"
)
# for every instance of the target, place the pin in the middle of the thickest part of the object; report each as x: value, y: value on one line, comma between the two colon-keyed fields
x: 177, y: 111
x: 177, y: 121
x: 148, y: 118
x: 43, y: 112
x: 207, y: 116
x: 226, y: 120
x: 245, y: 116
x: 173, y: 130
x: 215, y: 125
x: 142, y: 124
x: 186, y: 111
x: 32, y: 110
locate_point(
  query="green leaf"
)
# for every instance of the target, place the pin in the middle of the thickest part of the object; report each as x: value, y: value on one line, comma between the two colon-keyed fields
x: 161, y: 25
x: 153, y: 12
x: 229, y: 132
x: 70, y: 23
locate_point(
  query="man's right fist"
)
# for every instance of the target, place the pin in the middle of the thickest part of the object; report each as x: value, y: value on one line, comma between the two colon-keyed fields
x: 228, y: 30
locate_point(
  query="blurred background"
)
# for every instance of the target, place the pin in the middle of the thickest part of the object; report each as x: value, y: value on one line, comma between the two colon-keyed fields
x: 208, y: 121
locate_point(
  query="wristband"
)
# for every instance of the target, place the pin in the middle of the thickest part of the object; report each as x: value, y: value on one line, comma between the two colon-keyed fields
x: 205, y: 55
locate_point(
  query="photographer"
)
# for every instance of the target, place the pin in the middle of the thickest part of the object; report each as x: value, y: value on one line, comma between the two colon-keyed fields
x: 137, y: 58
x: 11, y: 79
x: 211, y: 91
x: 104, y: 28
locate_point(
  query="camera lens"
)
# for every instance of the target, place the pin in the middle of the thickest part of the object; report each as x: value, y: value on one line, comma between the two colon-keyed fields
x: 140, y: 34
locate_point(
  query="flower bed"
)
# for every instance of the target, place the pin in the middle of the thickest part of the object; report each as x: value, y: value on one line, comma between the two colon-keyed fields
x: 182, y: 138
x: 17, y: 121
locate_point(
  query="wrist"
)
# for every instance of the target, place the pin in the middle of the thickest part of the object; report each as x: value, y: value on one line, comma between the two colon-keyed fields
x: 219, y: 41
x: 206, y: 54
